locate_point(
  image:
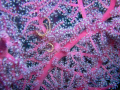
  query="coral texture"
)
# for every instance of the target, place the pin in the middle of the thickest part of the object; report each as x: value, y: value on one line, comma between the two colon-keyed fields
x: 59, y: 44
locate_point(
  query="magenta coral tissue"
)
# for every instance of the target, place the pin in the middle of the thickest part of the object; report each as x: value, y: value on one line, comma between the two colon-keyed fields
x: 59, y: 44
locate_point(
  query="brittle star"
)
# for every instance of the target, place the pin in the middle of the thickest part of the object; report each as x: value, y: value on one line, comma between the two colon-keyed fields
x: 47, y: 30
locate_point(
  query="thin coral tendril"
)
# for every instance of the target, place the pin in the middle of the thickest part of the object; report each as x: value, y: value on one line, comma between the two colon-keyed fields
x: 51, y: 49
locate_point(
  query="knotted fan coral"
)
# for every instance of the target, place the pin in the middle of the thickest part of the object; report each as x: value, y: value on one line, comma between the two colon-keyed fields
x: 59, y: 44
